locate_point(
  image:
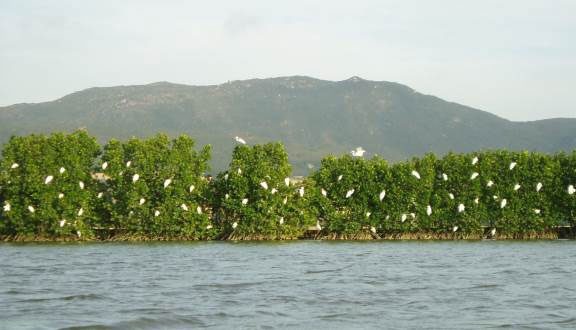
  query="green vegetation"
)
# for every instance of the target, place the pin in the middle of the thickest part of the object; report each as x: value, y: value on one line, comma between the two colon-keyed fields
x: 65, y: 186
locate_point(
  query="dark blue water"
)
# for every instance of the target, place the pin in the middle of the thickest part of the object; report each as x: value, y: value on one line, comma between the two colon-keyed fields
x: 306, y: 284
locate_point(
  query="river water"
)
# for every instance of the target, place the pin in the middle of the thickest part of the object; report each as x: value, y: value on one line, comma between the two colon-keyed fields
x: 299, y: 285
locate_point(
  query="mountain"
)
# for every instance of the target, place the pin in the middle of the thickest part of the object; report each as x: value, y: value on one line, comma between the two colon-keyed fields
x: 311, y: 117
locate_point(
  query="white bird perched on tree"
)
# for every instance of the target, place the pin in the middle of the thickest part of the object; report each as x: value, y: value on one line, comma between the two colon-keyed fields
x: 62, y: 170
x: 451, y: 195
x: 445, y: 176
x: 382, y: 195
x: 281, y: 221
x: 191, y: 188
x: 571, y: 190
x: 14, y: 166
x: 323, y: 192
x: 234, y: 225
x: 493, y: 232
x: 538, y: 186
x: 301, y: 191
x: 7, y: 207
x: 239, y: 140
x: 474, y: 175
x: 184, y: 207
x: 537, y: 211
x: 167, y: 182
x: 104, y: 165
x: 454, y: 229
x: 340, y: 177
x: 368, y: 214
x: 62, y: 223
x: 239, y: 171
x: 209, y: 227
x: 100, y: 194
x: 226, y: 176
x: 48, y: 179
x: 490, y: 184
x: 495, y: 197
x: 244, y: 201
x: 373, y: 230
x: 517, y: 186
x: 273, y: 191
x: 287, y: 181
x: 31, y: 209
x: 413, y: 215
x: 512, y: 165
x: 416, y: 174
x: 80, y: 212
x: 79, y: 233
x: 156, y: 213
x: 428, y: 210
x: 129, y: 163
x: 264, y: 185
x: 135, y: 177
x: 318, y: 227
x: 199, y: 210
x: 285, y: 200
x: 60, y: 195
x: 403, y: 217
x: 474, y: 160
x: 359, y: 152
x: 227, y: 196
x: 476, y: 200
x: 349, y: 193
x: 461, y: 208
x: 142, y: 201
x: 503, y: 203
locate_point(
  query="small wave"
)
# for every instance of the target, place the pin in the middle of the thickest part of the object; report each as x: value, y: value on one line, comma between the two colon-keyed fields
x: 89, y: 296
x: 145, y: 323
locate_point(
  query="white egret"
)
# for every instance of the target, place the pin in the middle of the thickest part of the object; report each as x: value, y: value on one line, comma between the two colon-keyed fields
x: 191, y: 188
x: 239, y: 171
x: 537, y: 211
x: 382, y: 195
x: 493, y: 232
x: 474, y: 160
x: 80, y: 212
x: 495, y: 197
x: 301, y: 191
x: 318, y: 227
x: 512, y: 165
x: 428, y: 210
x: 104, y: 165
x: 349, y: 193
x: 142, y: 201
x: 14, y: 166
x: 476, y: 200
x: 167, y: 182
x: 79, y: 233
x: 62, y: 223
x: 490, y: 184
x: 373, y: 230
x: 31, y: 209
x: 7, y: 207
x: 445, y: 176
x: 538, y: 186
x: 156, y: 213
x: 413, y: 215
x: 403, y: 217
x: 227, y: 196
x: 234, y: 225
x: 387, y: 217
x: 128, y: 163
x: 474, y: 175
x: 81, y: 185
x: 209, y: 227
x: 503, y: 203
x: 184, y: 207
x: 416, y: 174
x: 340, y: 177
x: 226, y: 176
x: 359, y: 152
x: 323, y: 192
x: 461, y: 208
x: 273, y: 191
x: 287, y: 181
x: 454, y: 229
x: 368, y: 214
x: 239, y: 140
x: 451, y: 195
x: 199, y: 210
x: 571, y: 190
x: 517, y: 186
x: 135, y: 177
x: 285, y: 200
x: 48, y: 179
x: 281, y: 221
x: 100, y: 194
x: 244, y: 201
x: 264, y: 185
x: 62, y: 170
x: 60, y: 195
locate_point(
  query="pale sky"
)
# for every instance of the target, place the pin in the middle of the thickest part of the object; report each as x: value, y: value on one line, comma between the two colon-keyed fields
x: 514, y: 58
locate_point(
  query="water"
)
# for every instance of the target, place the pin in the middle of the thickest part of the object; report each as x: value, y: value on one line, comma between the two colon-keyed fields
x: 305, y: 284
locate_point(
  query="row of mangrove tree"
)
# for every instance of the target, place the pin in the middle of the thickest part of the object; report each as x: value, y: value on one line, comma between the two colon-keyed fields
x: 66, y: 186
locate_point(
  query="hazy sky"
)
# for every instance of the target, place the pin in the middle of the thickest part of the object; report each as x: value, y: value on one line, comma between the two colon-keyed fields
x: 515, y: 58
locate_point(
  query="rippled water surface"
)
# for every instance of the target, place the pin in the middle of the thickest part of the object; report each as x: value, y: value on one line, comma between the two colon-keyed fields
x: 305, y: 284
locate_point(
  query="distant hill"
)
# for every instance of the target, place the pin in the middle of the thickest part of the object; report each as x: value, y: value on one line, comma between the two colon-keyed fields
x: 311, y: 117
